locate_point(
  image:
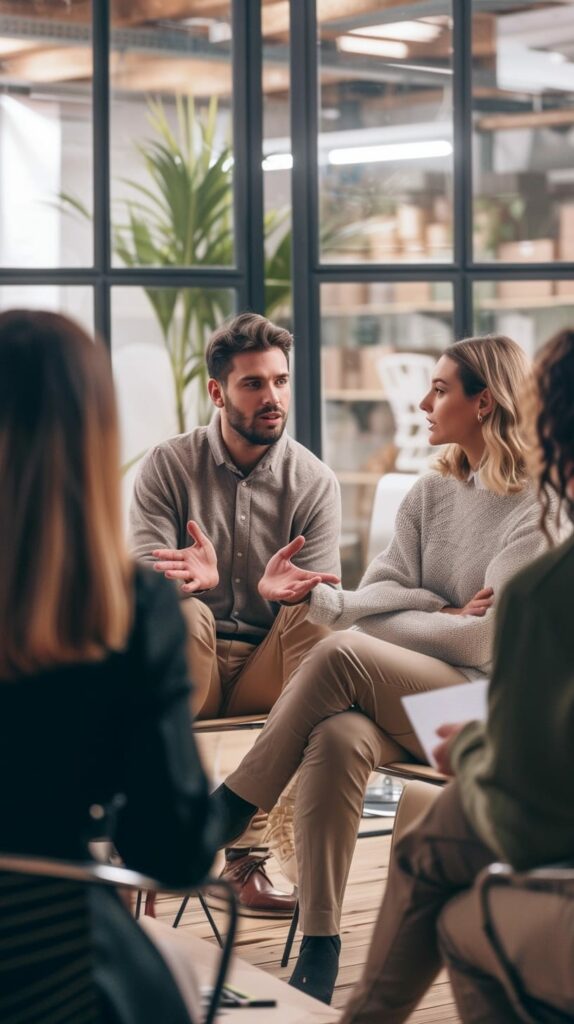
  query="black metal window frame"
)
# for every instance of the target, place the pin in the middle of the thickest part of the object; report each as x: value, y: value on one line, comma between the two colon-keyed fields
x: 246, y: 278
x: 309, y: 273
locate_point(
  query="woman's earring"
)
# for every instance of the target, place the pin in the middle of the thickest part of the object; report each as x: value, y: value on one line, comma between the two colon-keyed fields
x: 479, y: 418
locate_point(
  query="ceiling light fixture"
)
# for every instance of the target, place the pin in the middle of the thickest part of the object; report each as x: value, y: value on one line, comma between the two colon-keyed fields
x: 278, y: 162
x: 408, y: 31
x: 428, y: 150
x: 373, y: 47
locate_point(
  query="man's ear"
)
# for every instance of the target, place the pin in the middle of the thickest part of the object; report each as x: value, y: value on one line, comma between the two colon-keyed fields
x: 215, y: 390
x: 485, y: 403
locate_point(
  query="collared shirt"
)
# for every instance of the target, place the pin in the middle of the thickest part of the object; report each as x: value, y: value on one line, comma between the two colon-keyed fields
x: 476, y: 479
x: 247, y: 517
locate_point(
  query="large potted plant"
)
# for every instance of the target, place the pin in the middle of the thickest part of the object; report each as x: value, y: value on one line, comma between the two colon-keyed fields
x: 181, y: 216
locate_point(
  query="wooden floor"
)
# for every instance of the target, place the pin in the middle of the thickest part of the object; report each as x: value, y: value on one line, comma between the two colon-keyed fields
x: 261, y: 941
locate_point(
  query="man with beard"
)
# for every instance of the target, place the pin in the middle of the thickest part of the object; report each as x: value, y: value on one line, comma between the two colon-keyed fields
x: 240, y: 489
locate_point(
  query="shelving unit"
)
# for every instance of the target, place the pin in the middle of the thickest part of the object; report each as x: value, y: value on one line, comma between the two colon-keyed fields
x: 440, y: 306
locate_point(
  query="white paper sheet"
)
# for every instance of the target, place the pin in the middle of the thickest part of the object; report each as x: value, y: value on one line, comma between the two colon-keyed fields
x: 466, y: 702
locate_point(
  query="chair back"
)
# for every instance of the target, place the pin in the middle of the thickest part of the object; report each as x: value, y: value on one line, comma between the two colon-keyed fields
x: 46, y: 945
x: 390, y: 491
x: 554, y: 879
x: 45, y: 952
x: 406, y: 378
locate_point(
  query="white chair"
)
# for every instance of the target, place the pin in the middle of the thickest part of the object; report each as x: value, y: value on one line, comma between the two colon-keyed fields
x: 406, y: 378
x: 390, y: 491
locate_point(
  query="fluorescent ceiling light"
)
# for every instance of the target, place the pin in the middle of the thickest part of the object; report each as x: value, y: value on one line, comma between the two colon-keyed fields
x: 278, y: 162
x: 373, y: 47
x: 9, y: 46
x: 390, y: 151
x: 409, y: 31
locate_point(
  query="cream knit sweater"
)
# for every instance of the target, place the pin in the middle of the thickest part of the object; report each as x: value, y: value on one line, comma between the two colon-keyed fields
x: 451, y: 539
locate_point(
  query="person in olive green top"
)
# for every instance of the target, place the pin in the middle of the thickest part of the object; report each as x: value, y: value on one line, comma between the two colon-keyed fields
x: 513, y: 792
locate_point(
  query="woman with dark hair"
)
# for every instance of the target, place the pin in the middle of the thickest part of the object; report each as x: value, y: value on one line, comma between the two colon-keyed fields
x: 512, y: 798
x: 93, y: 682
x: 422, y: 618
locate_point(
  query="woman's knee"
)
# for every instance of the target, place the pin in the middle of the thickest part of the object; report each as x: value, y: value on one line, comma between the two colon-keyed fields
x: 340, y: 652
x: 348, y: 742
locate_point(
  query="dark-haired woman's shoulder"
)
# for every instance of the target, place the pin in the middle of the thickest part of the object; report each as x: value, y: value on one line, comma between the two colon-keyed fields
x: 549, y: 578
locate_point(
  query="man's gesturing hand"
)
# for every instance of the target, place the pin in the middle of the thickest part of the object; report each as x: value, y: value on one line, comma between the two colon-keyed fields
x: 283, y: 581
x: 478, y: 605
x: 196, y: 565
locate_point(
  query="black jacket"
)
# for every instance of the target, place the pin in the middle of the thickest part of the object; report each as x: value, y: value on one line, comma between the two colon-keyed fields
x: 113, y: 734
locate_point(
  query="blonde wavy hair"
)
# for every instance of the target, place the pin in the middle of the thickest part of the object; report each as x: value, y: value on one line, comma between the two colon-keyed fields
x: 499, y: 364
x: 65, y: 575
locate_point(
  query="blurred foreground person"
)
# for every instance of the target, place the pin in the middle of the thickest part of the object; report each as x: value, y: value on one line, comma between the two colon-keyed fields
x: 513, y: 794
x: 94, y: 691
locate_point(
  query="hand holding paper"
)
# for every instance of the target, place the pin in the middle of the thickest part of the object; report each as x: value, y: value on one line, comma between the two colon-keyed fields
x: 432, y: 710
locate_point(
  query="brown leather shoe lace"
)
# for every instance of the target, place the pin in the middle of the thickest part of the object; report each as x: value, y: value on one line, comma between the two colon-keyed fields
x: 244, y: 867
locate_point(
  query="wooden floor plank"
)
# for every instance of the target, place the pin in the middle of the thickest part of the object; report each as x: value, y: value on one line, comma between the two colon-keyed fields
x: 261, y: 941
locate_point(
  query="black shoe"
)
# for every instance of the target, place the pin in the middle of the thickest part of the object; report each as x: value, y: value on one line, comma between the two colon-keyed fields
x: 233, y: 812
x: 317, y: 966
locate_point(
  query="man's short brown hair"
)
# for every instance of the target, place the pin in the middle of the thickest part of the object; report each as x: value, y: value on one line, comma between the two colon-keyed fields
x: 248, y: 332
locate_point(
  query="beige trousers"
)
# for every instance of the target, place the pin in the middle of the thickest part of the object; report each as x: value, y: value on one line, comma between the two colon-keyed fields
x: 536, y: 931
x: 311, y: 728
x: 438, y: 857
x: 231, y: 677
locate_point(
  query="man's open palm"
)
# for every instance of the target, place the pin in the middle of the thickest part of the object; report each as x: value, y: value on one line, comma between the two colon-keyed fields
x: 283, y: 581
x: 196, y: 565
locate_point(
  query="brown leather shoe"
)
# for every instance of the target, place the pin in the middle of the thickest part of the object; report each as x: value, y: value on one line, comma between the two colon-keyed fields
x: 255, y: 892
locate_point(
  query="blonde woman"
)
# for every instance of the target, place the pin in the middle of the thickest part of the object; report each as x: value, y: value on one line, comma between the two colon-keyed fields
x: 93, y: 681
x: 422, y: 618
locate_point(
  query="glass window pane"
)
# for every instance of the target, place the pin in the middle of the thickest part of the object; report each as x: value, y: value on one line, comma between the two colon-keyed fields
x: 76, y: 302
x: 171, y: 136
x: 159, y: 364
x: 371, y: 427
x: 523, y: 131
x: 528, y: 311
x: 385, y: 132
x: 46, y: 135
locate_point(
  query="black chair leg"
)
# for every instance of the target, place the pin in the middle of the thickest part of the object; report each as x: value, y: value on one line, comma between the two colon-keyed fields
x: 209, y: 917
x: 138, y: 909
x: 207, y: 913
x: 290, y: 936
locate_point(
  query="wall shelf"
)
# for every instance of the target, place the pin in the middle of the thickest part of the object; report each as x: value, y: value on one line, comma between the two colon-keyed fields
x: 493, y: 304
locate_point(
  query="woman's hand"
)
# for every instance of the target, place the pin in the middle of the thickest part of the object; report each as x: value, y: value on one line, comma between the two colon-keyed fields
x: 195, y: 565
x: 478, y: 605
x: 441, y: 752
x: 283, y: 581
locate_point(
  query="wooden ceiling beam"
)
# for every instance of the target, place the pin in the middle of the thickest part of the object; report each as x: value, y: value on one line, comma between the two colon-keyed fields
x: 137, y: 72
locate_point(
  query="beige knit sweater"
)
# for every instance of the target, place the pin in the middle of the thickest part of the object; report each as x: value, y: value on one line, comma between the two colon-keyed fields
x: 451, y: 539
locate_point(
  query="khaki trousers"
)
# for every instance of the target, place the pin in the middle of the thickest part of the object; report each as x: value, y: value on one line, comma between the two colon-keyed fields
x: 438, y: 857
x: 536, y: 931
x: 231, y: 677
x: 311, y: 728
